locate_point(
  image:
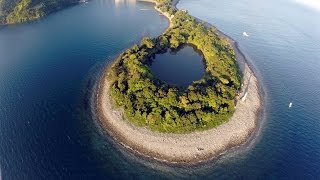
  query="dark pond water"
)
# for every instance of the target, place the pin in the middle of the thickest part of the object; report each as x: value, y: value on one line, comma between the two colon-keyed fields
x: 179, y: 67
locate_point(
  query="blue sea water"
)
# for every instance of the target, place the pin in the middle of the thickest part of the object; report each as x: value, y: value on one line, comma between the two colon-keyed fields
x: 48, y: 69
x: 284, y: 48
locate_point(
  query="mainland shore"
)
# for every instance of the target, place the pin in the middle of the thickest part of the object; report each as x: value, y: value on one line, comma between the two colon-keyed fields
x: 185, y: 148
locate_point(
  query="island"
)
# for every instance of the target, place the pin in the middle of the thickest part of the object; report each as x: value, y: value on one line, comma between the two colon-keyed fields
x: 19, y: 11
x: 174, y: 124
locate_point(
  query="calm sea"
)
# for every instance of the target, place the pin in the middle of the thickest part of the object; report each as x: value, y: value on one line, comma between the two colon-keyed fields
x: 284, y: 48
x: 48, y: 69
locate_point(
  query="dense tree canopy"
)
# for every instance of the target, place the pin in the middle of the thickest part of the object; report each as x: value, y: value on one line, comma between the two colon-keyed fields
x: 17, y: 11
x: 148, y: 101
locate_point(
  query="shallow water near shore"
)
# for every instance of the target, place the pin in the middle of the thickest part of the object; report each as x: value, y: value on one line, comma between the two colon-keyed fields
x: 49, y: 67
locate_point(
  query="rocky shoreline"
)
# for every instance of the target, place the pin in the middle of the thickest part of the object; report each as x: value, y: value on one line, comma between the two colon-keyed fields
x: 184, y: 148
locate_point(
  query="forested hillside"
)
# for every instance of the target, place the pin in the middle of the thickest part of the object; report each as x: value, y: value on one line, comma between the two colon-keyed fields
x: 148, y: 101
x: 17, y: 11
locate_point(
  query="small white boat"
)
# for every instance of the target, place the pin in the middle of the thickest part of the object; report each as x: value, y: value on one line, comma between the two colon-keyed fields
x: 245, y: 34
x: 144, y: 9
x: 83, y: 1
x: 290, y: 104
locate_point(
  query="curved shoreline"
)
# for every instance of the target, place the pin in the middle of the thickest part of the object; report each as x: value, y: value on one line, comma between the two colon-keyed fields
x: 184, y: 148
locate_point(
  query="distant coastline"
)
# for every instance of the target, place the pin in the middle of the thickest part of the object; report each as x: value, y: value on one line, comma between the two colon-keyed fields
x: 26, y: 11
x: 185, y: 148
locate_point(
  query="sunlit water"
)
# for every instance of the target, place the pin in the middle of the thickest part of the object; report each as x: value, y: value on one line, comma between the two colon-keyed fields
x: 284, y: 48
x: 48, y: 68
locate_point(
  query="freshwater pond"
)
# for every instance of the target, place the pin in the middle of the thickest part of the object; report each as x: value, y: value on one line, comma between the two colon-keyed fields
x: 179, y: 67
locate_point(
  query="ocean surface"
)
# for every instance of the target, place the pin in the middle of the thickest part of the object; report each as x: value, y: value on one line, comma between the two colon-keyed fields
x: 284, y: 48
x: 48, y: 69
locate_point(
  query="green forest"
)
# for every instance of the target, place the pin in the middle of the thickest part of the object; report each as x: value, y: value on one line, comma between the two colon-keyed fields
x: 148, y: 101
x: 18, y: 11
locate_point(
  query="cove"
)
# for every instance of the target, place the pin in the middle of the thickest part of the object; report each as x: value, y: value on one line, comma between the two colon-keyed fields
x: 180, y: 66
